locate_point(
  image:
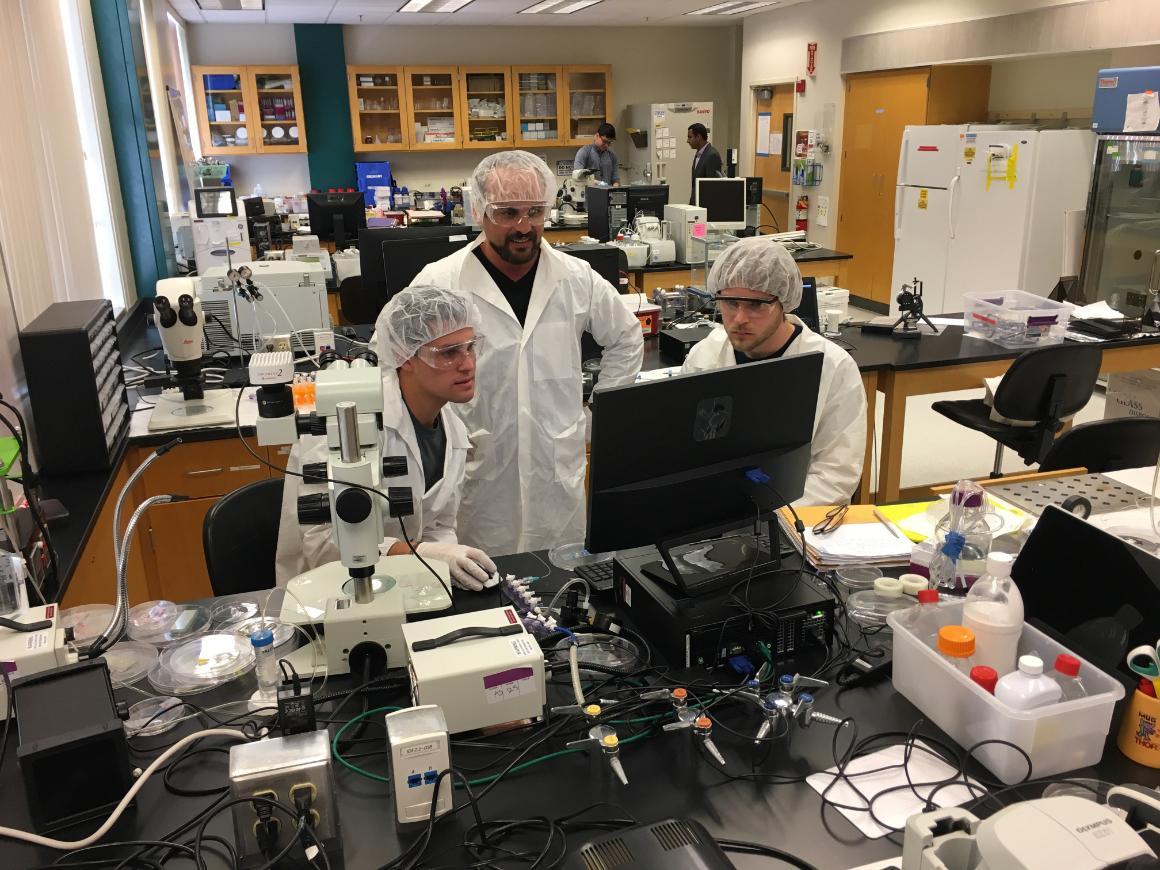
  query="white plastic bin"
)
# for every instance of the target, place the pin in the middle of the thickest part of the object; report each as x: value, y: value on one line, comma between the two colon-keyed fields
x: 1013, y: 318
x: 1058, y: 738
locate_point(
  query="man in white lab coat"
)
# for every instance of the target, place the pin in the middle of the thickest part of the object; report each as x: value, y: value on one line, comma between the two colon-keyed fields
x: 427, y: 349
x: 756, y: 282
x: 525, y: 475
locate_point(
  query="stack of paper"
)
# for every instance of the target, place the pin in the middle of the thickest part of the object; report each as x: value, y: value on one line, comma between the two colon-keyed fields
x: 861, y: 539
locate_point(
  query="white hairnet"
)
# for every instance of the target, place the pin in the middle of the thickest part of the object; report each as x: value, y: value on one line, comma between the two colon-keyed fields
x: 511, y: 176
x: 761, y: 264
x: 417, y: 316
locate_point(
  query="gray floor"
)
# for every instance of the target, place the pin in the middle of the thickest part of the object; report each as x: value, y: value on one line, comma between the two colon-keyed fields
x: 935, y: 450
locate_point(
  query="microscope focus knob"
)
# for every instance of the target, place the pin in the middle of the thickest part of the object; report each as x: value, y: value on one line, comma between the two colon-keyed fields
x: 314, y: 472
x: 394, y: 466
x: 314, y: 509
x: 312, y: 425
x: 352, y: 505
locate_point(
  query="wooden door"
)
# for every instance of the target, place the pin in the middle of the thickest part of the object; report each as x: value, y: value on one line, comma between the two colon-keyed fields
x: 878, y: 106
x: 280, y: 126
x: 225, y: 112
x: 378, y: 108
x: 538, y: 92
x: 485, y: 100
x: 774, y: 180
x: 176, y: 544
x: 589, y: 100
x: 433, y: 100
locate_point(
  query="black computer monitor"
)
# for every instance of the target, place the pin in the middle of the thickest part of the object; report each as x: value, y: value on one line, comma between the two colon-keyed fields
x: 255, y: 206
x: 404, y: 259
x: 370, y: 250
x: 336, y: 217
x: 214, y: 202
x: 724, y: 200
x: 807, y: 310
x: 670, y: 458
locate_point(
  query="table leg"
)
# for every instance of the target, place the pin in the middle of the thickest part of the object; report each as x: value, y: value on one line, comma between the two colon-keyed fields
x: 893, y: 422
x: 870, y: 385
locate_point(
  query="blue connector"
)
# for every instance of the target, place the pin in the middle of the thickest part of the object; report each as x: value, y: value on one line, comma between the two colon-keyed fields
x: 430, y: 776
x: 741, y: 665
x: 756, y: 475
x: 414, y: 780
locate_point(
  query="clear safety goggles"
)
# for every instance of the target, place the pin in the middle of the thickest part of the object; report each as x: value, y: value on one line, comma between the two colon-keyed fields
x: 450, y: 355
x: 736, y: 304
x: 511, y: 215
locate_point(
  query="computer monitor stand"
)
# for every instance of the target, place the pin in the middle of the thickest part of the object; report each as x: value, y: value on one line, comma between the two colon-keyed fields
x: 339, y: 232
x: 713, y: 562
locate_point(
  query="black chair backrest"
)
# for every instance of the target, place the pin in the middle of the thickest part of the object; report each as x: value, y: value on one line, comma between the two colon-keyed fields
x: 240, y: 538
x: 1106, y: 445
x: 1049, y: 383
x: 357, y: 306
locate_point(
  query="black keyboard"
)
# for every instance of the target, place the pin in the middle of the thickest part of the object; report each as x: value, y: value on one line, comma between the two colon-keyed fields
x: 598, y: 575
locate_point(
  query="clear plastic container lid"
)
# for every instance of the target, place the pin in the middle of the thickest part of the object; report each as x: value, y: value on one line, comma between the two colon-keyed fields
x: 607, y: 650
x: 166, y: 682
x: 283, y: 632
x: 87, y: 621
x: 233, y: 612
x: 571, y: 556
x: 855, y: 578
x: 209, y: 660
x: 129, y: 662
x: 870, y: 607
x: 163, y: 623
x: 153, y: 716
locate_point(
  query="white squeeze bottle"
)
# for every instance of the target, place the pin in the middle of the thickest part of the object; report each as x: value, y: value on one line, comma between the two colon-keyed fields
x: 993, y: 610
x: 1028, y: 687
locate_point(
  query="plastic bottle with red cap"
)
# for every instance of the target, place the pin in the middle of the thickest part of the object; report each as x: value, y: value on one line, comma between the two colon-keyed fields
x: 985, y: 677
x: 925, y: 619
x: 1066, y: 673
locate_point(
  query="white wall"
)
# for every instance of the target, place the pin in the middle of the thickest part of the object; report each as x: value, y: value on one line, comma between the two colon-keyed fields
x: 649, y: 65
x: 774, y: 50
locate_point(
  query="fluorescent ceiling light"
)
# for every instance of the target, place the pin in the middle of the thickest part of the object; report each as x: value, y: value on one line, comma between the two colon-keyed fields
x: 559, y: 7
x: 733, y: 7
x: 434, y: 5
x: 232, y: 5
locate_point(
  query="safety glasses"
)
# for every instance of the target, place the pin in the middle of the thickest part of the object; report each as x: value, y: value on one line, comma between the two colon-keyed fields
x: 834, y: 517
x: 450, y: 355
x: 735, y: 304
x: 510, y: 215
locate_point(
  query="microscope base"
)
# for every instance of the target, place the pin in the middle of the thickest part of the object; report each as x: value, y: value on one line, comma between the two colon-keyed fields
x: 171, y: 411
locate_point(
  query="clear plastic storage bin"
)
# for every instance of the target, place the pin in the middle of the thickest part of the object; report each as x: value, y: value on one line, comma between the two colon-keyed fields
x: 1013, y: 318
x: 1058, y: 738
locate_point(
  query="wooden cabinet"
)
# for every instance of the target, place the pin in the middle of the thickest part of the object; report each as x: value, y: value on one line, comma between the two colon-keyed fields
x: 378, y: 108
x: 539, y: 109
x: 249, y: 110
x: 589, y: 100
x: 175, y: 549
x: 434, y: 100
x: 878, y: 106
x: 486, y: 106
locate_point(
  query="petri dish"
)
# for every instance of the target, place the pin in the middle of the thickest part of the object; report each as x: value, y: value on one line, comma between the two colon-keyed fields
x: 163, y: 623
x: 854, y: 578
x: 153, y: 716
x: 233, y: 611
x: 129, y: 662
x: 607, y: 650
x: 87, y: 621
x: 209, y: 660
x: 870, y: 607
x: 572, y: 556
x: 283, y: 631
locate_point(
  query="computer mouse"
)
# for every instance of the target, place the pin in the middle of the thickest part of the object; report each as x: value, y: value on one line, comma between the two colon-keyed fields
x: 348, y: 331
x: 492, y: 581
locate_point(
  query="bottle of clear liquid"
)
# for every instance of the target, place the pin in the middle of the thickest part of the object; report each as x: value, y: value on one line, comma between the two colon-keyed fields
x: 963, y: 540
x: 925, y: 619
x: 1028, y: 687
x: 1066, y: 673
x: 265, y: 662
x: 994, y: 612
x: 956, y: 645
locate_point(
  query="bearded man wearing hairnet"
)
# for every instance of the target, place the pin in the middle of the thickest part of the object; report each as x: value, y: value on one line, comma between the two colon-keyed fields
x: 524, y: 488
x: 756, y: 285
x: 428, y: 342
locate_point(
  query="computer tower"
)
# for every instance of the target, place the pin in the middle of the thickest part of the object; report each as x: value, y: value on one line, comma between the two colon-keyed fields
x: 76, y: 387
x: 683, y: 221
x: 753, y: 191
x: 610, y: 207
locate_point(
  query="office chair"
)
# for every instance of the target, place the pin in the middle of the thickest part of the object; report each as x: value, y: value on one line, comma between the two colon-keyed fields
x: 1106, y: 445
x: 240, y: 538
x: 357, y: 306
x: 1045, y: 385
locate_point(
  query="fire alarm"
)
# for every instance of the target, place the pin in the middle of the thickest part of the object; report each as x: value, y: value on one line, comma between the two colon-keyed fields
x: 800, y: 86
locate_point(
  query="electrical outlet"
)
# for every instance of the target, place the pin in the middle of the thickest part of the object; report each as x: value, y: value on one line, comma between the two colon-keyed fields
x: 279, y: 342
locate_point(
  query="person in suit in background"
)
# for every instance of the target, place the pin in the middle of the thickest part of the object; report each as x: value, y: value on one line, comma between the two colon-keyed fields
x: 706, y: 162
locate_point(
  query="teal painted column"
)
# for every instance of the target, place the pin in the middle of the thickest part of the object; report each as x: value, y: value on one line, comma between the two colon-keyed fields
x: 325, y: 102
x: 127, y: 124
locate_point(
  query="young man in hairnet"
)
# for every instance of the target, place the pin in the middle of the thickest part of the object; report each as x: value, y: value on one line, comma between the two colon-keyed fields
x: 428, y: 342
x: 756, y: 283
x: 525, y: 476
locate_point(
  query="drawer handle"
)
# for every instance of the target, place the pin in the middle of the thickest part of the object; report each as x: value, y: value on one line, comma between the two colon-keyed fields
x: 203, y: 471
x: 244, y: 467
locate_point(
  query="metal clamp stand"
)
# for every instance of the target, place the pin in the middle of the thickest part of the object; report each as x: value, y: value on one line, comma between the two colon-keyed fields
x: 910, y: 303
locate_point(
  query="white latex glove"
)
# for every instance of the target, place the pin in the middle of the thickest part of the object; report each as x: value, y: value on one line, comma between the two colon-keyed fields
x: 470, y: 567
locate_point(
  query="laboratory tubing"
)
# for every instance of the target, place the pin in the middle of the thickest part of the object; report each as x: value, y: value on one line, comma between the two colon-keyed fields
x: 956, y: 644
x: 1066, y: 673
x: 994, y: 612
x: 265, y: 661
x: 985, y: 677
x: 1028, y: 687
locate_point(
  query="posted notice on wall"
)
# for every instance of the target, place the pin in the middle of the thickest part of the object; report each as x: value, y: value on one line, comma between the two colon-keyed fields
x: 1142, y: 113
x: 763, y: 122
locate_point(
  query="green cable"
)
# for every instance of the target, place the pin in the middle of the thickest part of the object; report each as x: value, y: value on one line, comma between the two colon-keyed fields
x: 338, y: 735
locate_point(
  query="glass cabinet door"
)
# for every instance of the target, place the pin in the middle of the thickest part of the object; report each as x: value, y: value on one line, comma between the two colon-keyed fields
x: 377, y: 108
x: 433, y: 98
x: 539, y: 105
x: 589, y: 101
x: 280, y: 126
x: 1122, y: 252
x: 486, y: 106
x: 222, y: 110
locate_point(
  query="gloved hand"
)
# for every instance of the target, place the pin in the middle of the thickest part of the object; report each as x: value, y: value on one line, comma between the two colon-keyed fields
x: 470, y: 567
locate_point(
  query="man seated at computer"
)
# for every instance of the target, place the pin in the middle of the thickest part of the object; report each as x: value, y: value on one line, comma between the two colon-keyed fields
x: 756, y: 284
x: 427, y: 342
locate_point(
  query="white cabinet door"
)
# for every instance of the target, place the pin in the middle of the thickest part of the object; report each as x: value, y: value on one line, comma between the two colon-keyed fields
x: 921, y: 241
x: 930, y: 155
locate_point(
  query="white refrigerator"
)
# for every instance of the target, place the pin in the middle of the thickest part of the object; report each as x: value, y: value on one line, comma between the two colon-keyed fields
x: 987, y: 208
x: 660, y: 144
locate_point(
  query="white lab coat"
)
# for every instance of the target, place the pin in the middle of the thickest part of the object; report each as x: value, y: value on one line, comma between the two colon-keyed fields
x: 839, y: 442
x: 302, y: 548
x: 524, y: 488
